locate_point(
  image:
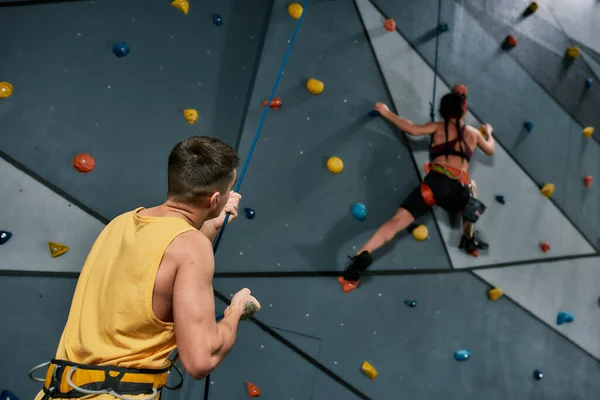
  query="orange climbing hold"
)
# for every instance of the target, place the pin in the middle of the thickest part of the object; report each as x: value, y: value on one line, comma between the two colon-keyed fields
x: 390, y: 25
x: 347, y: 286
x: 510, y: 42
x: 57, y: 249
x: 275, y: 103
x: 545, y: 246
x: 84, y: 163
x: 587, y: 181
x: 253, y: 390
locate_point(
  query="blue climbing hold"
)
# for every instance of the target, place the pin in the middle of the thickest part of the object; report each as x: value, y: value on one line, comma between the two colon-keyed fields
x: 217, y: 20
x: 6, y: 395
x: 359, y: 211
x: 121, y: 49
x: 442, y: 28
x: 249, y: 213
x: 537, y: 374
x: 500, y: 199
x: 410, y: 303
x: 588, y: 83
x: 4, y: 236
x: 462, y: 355
x: 529, y: 126
x: 564, y: 317
x: 374, y: 113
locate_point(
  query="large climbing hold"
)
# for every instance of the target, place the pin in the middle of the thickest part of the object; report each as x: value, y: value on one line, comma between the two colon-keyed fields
x: 548, y: 189
x: 57, y: 249
x: 587, y: 181
x: 6, y: 90
x: 121, y: 49
x: 335, y: 165
x: 190, y: 115
x: 531, y: 8
x: 295, y: 10
x: 545, y: 246
x: 368, y: 370
x: 84, y: 163
x: 315, y: 86
x: 390, y: 25
x: 181, y: 5
x: 359, y: 211
x: 588, y: 132
x: 573, y: 52
x: 564, y: 317
x: 253, y: 390
x: 5, y: 236
x: 510, y: 42
x: 495, y: 293
x: 462, y: 355
x: 528, y: 126
x: 420, y: 233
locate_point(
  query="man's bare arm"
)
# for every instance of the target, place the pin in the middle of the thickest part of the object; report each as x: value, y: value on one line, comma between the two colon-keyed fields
x: 201, y: 342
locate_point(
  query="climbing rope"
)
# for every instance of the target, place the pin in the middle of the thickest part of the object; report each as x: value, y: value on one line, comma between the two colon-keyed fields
x: 251, y: 151
x: 435, y: 64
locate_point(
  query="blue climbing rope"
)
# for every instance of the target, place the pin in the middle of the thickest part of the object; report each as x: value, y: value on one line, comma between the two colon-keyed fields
x: 435, y: 64
x: 251, y: 151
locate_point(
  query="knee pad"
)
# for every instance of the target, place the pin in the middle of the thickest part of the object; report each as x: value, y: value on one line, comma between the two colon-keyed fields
x: 427, y: 195
x: 473, y: 210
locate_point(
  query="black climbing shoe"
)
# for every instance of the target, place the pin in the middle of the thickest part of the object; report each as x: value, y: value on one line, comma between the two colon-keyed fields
x: 357, y: 265
x: 480, y: 244
x: 473, y: 245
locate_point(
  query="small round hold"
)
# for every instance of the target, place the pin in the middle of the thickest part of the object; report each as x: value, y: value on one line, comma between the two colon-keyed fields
x: 442, y: 28
x: 359, y: 211
x: 420, y: 233
x: 5, y: 236
x: 462, y: 355
x: 410, y: 303
x: 217, y: 20
x: 121, y: 49
x: 315, y: 86
x: 190, y: 115
x: 335, y: 165
x: 537, y: 374
x: 588, y: 83
x: 84, y: 163
x: 6, y: 90
x: 390, y: 25
x: 249, y: 213
x: 295, y: 10
x: 374, y: 113
x: 528, y: 126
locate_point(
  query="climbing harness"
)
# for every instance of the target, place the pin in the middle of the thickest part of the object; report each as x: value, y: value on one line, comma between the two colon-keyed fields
x: 69, y: 380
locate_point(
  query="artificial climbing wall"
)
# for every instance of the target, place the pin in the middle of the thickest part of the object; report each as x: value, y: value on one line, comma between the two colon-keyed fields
x: 310, y: 339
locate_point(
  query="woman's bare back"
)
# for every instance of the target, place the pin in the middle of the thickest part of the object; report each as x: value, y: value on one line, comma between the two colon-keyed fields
x: 469, y: 139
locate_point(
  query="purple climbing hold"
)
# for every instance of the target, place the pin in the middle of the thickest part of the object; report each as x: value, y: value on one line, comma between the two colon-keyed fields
x: 4, y: 236
x: 564, y: 317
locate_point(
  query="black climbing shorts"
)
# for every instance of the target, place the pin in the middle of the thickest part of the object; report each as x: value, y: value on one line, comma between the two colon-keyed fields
x: 449, y: 194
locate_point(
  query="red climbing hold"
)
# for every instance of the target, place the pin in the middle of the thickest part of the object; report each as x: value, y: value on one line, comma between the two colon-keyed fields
x: 510, y: 42
x: 253, y: 390
x: 390, y: 25
x: 84, y: 163
x: 545, y: 246
x: 275, y: 103
x: 587, y: 181
x: 347, y: 286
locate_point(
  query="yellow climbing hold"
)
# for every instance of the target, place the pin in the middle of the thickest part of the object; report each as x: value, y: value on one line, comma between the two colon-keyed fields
x: 369, y: 370
x: 182, y: 5
x: 315, y: 86
x: 57, y: 249
x: 548, y: 189
x: 420, y: 233
x: 588, y: 132
x: 335, y: 165
x: 191, y: 115
x: 532, y: 7
x: 495, y: 293
x: 5, y: 90
x: 295, y: 10
x: 573, y: 52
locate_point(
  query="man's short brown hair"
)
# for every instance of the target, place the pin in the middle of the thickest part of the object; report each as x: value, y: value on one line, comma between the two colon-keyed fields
x: 199, y: 166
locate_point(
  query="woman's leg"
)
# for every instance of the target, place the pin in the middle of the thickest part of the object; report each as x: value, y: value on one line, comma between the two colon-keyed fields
x: 386, y: 232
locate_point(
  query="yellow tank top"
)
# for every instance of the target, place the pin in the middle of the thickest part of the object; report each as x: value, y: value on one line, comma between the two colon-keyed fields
x: 111, y: 321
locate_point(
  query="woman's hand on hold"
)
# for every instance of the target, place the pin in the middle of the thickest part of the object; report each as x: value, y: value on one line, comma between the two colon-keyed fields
x: 244, y: 304
x: 487, y: 128
x: 382, y: 108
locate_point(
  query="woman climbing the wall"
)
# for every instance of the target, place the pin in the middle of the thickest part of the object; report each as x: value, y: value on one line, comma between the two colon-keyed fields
x: 447, y: 183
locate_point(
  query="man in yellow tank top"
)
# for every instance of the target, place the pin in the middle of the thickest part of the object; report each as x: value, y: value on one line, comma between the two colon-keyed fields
x: 146, y: 288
